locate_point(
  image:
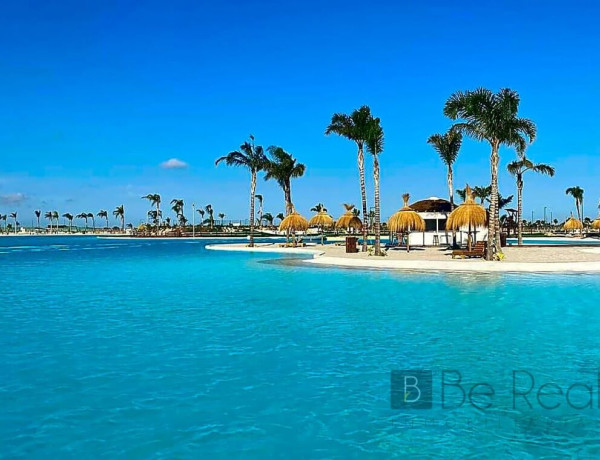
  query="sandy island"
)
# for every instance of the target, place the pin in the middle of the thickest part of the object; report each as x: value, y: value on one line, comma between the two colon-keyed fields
x: 517, y: 259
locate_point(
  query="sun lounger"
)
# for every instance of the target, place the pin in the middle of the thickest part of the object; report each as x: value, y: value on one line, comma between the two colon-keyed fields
x: 476, y: 251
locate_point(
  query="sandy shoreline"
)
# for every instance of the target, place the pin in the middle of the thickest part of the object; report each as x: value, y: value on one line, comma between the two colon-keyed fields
x: 517, y: 259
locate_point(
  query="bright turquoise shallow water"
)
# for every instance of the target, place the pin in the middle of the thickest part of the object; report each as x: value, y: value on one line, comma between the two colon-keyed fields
x: 134, y: 348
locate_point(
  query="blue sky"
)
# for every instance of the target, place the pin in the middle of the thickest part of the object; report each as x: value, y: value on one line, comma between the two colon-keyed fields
x: 97, y: 95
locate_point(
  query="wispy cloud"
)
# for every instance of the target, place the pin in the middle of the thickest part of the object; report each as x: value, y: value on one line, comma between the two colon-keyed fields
x: 174, y: 163
x: 13, y: 198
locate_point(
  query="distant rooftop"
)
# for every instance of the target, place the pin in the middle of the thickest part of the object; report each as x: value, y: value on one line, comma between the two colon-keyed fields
x: 432, y: 204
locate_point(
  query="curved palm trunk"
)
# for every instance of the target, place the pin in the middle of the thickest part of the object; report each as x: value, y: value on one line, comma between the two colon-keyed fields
x: 520, y: 209
x: 287, y: 192
x: 377, y: 205
x: 451, y: 194
x: 494, y: 224
x: 363, y: 194
x: 252, y: 192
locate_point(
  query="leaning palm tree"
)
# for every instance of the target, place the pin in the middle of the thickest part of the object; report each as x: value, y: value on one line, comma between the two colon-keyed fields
x: 259, y: 219
x: 103, y: 214
x: 577, y: 193
x: 91, y: 216
x: 55, y: 216
x: 491, y: 117
x: 83, y: 215
x: 119, y: 213
x: 280, y: 216
x: 48, y: 215
x: 13, y: 215
x: 283, y: 167
x: 268, y: 217
x: 177, y: 207
x: 69, y: 217
x: 375, y: 147
x: 253, y: 158
x: 210, y: 211
x: 201, y: 212
x: 447, y: 146
x: 517, y: 168
x: 38, y: 214
x: 355, y: 127
x: 154, y: 199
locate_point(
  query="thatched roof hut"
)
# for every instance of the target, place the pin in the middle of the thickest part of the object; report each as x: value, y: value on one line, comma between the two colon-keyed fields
x: 596, y: 224
x: 573, y: 224
x: 293, y: 223
x: 406, y: 220
x: 349, y: 220
x: 321, y: 220
x: 432, y: 204
x: 468, y: 214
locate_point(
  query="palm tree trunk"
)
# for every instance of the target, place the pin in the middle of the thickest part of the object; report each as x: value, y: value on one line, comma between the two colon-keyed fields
x: 451, y: 193
x: 494, y: 225
x: 287, y: 192
x: 252, y: 192
x: 377, y: 205
x: 520, y: 210
x: 157, y: 218
x: 363, y: 194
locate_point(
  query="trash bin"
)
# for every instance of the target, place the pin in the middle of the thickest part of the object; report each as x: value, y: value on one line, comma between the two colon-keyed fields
x: 503, y: 239
x: 351, y: 242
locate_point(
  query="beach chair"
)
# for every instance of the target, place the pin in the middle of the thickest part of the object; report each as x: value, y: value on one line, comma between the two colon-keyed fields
x: 476, y: 251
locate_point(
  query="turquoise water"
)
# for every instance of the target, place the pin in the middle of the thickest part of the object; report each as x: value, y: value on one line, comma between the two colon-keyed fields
x: 555, y: 241
x: 137, y: 348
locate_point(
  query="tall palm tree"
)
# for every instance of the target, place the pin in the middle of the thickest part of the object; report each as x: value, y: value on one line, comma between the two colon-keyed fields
x: 13, y: 215
x: 517, y: 168
x: 491, y: 117
x: 177, y: 207
x: 103, y: 214
x: 48, y: 215
x: 374, y: 144
x: 221, y: 216
x: 154, y: 199
x: 447, y: 146
x: 69, y: 217
x: 283, y: 167
x: 260, y: 208
x: 201, y: 212
x: 38, y: 214
x: 253, y: 158
x: 577, y: 193
x: 210, y: 211
x: 119, y: 213
x: 355, y: 127
x: 91, y: 216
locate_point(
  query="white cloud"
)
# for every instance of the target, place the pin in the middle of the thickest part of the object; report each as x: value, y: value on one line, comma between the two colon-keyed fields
x: 13, y: 198
x: 174, y: 163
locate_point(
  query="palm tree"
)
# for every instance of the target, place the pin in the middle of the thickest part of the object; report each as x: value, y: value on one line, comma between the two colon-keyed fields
x: 493, y: 118
x: 319, y: 207
x: 268, y: 217
x: 38, y: 214
x: 91, y: 216
x: 577, y: 193
x: 517, y: 168
x: 447, y: 146
x: 280, y: 216
x: 221, y: 216
x: 375, y: 147
x: 154, y: 199
x: 55, y: 217
x: 83, y: 215
x: 103, y: 214
x: 210, y: 211
x: 69, y: 217
x: 282, y: 167
x: 260, y: 208
x: 13, y: 215
x: 48, y: 215
x: 201, y: 212
x: 355, y: 127
x: 177, y: 208
x: 3, y: 217
x: 253, y: 158
x: 119, y: 213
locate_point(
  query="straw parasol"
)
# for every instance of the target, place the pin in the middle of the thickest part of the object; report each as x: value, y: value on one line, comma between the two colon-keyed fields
x: 348, y: 220
x: 406, y: 220
x: 469, y: 214
x: 573, y: 224
x: 321, y: 220
x: 596, y: 224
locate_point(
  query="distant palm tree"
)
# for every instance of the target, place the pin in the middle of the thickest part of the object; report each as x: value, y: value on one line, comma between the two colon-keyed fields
x: 210, y: 211
x: 260, y: 208
x: 253, y: 158
x: 201, y: 212
x: 355, y: 127
x: 517, y: 168
x: 91, y: 216
x: 221, y: 216
x: 48, y: 215
x: 280, y: 216
x: 577, y: 193
x: 268, y: 217
x: 83, y: 215
x: 154, y: 199
x: 283, y: 167
x: 168, y: 221
x: 374, y: 144
x: 319, y: 207
x: 177, y: 207
x: 13, y: 215
x: 491, y: 117
x: 119, y: 213
x: 103, y: 214
x: 38, y: 214
x: 3, y: 217
x: 55, y: 216
x: 69, y: 217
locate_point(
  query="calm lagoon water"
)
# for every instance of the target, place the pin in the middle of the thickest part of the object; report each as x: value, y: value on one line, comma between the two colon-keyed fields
x: 136, y: 348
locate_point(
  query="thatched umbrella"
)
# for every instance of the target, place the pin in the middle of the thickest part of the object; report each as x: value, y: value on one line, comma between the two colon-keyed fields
x: 293, y: 223
x: 596, y: 224
x: 573, y: 224
x: 348, y: 220
x: 321, y: 220
x: 469, y: 214
x: 406, y: 220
